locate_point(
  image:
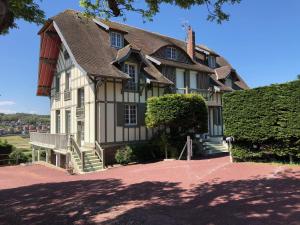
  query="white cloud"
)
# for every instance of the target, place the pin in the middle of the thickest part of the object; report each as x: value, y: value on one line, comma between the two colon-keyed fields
x: 7, y: 103
x: 7, y: 111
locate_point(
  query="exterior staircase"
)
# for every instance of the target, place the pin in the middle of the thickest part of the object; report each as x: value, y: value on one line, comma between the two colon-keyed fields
x: 213, y: 147
x: 91, y: 162
x: 86, y: 159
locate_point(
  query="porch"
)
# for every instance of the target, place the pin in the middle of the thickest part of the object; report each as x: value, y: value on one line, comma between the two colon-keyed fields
x: 63, y: 151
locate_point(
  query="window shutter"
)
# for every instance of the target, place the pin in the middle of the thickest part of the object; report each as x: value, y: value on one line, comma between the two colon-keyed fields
x: 186, y: 78
x: 198, y: 81
x: 141, y: 114
x: 120, y: 114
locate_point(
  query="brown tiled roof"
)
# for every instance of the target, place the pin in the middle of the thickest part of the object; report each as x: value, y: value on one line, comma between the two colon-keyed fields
x: 196, y: 66
x: 91, y: 48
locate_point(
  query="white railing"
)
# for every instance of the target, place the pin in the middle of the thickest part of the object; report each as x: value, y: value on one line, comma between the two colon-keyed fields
x: 56, y: 141
x: 205, y: 93
x: 100, y: 152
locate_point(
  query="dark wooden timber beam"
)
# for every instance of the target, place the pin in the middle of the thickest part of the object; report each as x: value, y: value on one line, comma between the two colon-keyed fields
x: 51, y: 33
x: 48, y: 61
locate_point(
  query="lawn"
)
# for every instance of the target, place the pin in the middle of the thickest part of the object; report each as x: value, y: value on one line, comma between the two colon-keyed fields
x: 17, y: 141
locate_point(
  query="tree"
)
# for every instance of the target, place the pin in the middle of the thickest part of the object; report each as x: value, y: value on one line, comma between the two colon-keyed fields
x: 12, y: 10
x: 29, y: 10
x: 182, y: 114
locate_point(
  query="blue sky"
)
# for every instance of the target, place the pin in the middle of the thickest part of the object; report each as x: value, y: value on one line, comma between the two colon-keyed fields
x: 261, y: 41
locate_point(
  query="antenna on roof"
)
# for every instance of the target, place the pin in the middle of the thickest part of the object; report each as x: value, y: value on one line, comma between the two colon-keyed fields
x: 185, y: 26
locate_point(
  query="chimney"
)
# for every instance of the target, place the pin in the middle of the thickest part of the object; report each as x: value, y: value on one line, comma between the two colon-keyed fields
x: 191, y: 43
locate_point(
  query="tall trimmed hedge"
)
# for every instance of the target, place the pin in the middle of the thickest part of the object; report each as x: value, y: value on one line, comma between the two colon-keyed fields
x: 264, y: 120
x: 186, y: 112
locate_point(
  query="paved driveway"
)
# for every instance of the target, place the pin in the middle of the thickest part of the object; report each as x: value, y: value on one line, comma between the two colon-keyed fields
x: 211, y: 191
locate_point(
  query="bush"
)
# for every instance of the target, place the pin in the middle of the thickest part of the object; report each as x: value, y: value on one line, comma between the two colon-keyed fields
x: 265, y: 122
x: 17, y: 156
x: 178, y: 112
x: 124, y: 155
x: 146, y: 152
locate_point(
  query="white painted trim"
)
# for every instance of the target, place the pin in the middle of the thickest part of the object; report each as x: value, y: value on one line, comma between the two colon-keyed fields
x: 101, y: 24
x: 153, y: 60
x: 68, y: 48
x: 202, y: 50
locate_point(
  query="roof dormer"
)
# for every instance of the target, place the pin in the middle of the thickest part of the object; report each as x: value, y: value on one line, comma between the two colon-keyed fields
x: 116, y: 39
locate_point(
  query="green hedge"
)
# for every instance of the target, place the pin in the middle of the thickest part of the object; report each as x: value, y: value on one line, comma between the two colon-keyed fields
x: 264, y: 121
x: 178, y: 111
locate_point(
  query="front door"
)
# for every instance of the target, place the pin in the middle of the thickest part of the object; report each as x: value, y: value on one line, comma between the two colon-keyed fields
x: 80, y: 133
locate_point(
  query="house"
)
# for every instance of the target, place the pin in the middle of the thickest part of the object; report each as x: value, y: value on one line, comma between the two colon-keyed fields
x: 99, y: 74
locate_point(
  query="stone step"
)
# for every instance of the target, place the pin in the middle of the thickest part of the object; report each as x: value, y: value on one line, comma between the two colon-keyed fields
x: 89, y: 166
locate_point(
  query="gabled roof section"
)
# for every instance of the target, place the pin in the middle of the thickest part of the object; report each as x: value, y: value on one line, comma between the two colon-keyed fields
x: 49, y: 51
x: 88, y: 44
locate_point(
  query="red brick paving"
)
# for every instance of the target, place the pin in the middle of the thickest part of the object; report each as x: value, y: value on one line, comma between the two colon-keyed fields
x: 211, y: 191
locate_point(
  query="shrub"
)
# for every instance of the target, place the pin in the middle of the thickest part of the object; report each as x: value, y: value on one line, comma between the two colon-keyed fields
x: 17, y: 156
x: 124, y: 155
x: 145, y: 152
x: 178, y: 112
x: 267, y: 118
x: 182, y: 114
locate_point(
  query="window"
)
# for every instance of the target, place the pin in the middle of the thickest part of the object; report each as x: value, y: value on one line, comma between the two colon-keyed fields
x: 228, y: 82
x: 57, y: 121
x: 80, y: 99
x: 171, y: 53
x: 217, y: 116
x: 130, y: 113
x: 180, y: 81
x: 68, y: 121
x: 67, y: 81
x: 130, y: 69
x: 211, y: 61
x: 116, y: 40
x: 66, y: 55
x: 57, y: 83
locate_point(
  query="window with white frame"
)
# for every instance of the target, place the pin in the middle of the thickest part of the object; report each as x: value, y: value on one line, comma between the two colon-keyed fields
x: 211, y: 61
x: 57, y: 83
x: 67, y: 80
x: 131, y: 70
x: 130, y: 114
x: 116, y: 40
x: 171, y: 53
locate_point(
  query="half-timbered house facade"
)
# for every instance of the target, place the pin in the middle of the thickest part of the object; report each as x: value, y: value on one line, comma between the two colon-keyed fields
x: 99, y: 74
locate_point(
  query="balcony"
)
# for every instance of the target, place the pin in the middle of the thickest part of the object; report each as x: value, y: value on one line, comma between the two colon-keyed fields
x: 57, y: 96
x: 80, y: 112
x: 67, y: 95
x: 51, y: 141
x: 207, y: 95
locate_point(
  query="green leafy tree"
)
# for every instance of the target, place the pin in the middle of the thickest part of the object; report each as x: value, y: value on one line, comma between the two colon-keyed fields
x: 29, y: 10
x: 182, y: 114
x: 12, y: 10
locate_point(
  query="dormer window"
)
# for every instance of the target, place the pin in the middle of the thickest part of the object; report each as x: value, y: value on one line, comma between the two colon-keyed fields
x: 211, y: 61
x: 116, y: 39
x: 131, y: 70
x: 171, y: 53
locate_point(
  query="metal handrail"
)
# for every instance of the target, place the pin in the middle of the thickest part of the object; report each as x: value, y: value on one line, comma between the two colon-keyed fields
x: 100, y: 152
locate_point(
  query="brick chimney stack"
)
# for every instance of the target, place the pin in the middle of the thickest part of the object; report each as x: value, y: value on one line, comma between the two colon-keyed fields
x: 191, y: 43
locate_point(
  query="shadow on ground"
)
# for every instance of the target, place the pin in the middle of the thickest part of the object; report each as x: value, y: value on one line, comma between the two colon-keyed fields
x: 273, y: 200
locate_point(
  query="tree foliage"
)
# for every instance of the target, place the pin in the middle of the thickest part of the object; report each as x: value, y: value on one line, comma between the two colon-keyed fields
x: 264, y: 120
x: 26, y: 118
x: 12, y: 10
x: 114, y: 8
x: 178, y: 112
x: 29, y: 10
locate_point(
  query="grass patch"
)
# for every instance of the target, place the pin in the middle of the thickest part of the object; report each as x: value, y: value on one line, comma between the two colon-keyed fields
x: 17, y: 141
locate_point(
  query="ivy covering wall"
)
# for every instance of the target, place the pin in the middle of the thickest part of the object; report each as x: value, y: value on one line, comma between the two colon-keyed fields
x: 265, y: 121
